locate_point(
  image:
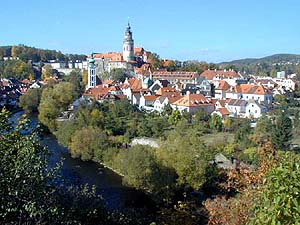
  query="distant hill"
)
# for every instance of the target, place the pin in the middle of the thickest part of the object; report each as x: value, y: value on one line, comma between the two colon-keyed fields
x: 277, y: 58
x: 26, y: 53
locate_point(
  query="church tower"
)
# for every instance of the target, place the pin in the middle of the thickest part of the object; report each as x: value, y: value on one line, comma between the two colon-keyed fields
x: 92, y: 73
x: 128, y: 45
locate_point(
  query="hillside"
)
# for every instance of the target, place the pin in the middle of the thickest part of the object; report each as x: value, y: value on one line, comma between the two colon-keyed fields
x: 277, y: 58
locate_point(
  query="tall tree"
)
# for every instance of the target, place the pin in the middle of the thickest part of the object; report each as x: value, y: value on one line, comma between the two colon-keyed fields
x: 282, y: 132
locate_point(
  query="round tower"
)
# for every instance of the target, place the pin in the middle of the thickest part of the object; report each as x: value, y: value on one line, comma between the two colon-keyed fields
x: 128, y: 45
x: 92, y: 73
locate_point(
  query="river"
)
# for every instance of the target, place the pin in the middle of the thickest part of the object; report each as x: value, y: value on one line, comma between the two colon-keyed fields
x: 108, y: 184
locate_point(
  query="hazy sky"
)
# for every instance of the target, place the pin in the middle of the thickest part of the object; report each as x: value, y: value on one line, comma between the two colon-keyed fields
x: 208, y: 30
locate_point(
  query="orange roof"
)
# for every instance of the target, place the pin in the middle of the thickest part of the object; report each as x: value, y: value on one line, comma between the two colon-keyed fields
x: 108, y: 82
x: 150, y: 97
x: 210, y: 74
x: 166, y: 91
x: 138, y: 51
x: 171, y: 93
x: 97, y: 92
x: 113, y: 56
x: 223, y: 111
x: 223, y: 85
x: 143, y: 70
x: 250, y: 89
x: 193, y: 100
x: 135, y: 84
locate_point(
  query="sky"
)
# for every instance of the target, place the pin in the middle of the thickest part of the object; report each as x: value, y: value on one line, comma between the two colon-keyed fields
x: 204, y: 30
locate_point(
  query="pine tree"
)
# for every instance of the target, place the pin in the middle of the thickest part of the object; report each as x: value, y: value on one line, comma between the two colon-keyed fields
x: 282, y: 132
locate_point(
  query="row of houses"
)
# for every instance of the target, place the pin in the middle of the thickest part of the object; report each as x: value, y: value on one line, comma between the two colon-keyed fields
x: 224, y: 92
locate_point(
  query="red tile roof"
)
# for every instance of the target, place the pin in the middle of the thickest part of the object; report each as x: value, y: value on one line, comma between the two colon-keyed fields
x: 193, y: 100
x: 223, y: 85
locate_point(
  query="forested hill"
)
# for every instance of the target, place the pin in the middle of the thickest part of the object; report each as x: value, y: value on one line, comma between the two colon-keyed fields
x: 266, y: 66
x: 277, y: 58
x: 26, y: 53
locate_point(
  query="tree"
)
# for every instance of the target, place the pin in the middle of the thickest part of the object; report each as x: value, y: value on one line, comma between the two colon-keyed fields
x: 155, y: 61
x: 282, y: 132
x: 85, y: 77
x: 30, y: 100
x: 31, y: 191
x: 142, y: 171
x: 215, y: 122
x: 175, y: 117
x: 118, y: 74
x: 47, y: 72
x: 88, y: 142
x: 54, y: 100
x: 227, y: 124
x: 75, y: 78
x: 187, y: 155
x: 278, y: 202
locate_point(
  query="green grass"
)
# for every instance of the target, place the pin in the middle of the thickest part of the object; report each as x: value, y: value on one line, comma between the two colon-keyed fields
x: 218, y: 138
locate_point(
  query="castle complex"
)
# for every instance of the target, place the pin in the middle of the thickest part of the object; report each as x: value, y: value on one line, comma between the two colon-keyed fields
x: 128, y: 59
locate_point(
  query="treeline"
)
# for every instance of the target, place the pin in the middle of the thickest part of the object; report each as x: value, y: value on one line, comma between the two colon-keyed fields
x: 26, y: 53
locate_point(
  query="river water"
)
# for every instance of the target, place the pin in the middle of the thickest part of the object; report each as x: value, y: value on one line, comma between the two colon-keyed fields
x: 108, y: 184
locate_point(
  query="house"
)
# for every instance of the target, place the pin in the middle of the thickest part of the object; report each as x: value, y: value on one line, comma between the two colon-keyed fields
x: 222, y: 112
x: 202, y: 87
x: 254, y: 109
x: 177, y: 76
x: 230, y: 76
x: 158, y: 84
x: 220, y: 90
x: 236, y: 107
x: 249, y: 91
x: 147, y: 102
x: 160, y: 103
x: 193, y: 103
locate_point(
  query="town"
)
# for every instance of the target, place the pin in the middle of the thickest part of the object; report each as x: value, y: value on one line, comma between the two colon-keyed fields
x: 226, y: 92
x: 187, y: 142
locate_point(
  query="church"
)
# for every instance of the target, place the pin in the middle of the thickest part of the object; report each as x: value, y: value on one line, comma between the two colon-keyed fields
x: 128, y: 59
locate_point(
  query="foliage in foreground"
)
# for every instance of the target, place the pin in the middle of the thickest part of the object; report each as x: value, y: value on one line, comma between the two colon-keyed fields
x: 33, y: 193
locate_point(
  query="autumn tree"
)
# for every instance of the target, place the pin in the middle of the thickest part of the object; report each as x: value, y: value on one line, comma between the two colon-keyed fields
x: 54, y: 100
x: 85, y: 77
x: 47, y: 72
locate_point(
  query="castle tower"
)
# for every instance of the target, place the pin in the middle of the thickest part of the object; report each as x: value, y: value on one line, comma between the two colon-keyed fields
x: 128, y: 45
x: 92, y: 73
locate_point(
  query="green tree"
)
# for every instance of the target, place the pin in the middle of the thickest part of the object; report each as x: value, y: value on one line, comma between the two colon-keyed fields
x: 227, y: 124
x: 54, y: 100
x: 75, y: 78
x: 175, y: 117
x: 88, y: 142
x: 30, y: 100
x: 118, y: 74
x: 282, y: 132
x: 215, y: 122
x: 155, y: 61
x: 278, y: 200
x: 187, y: 155
x: 141, y: 170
